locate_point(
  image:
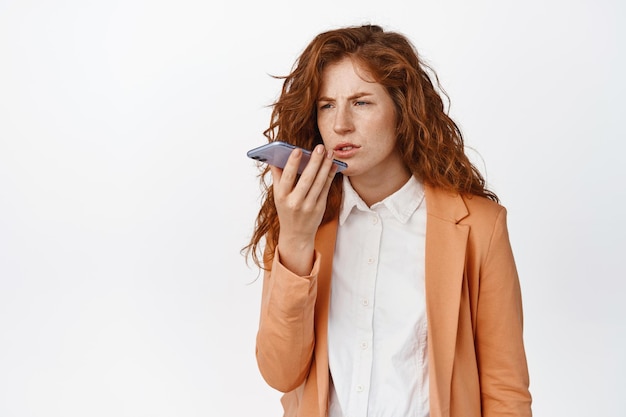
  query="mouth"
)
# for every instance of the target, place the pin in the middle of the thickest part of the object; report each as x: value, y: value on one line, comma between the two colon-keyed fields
x: 345, y: 151
x: 343, y: 147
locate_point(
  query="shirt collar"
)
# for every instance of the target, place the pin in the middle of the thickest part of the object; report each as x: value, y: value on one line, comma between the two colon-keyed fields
x: 402, y: 204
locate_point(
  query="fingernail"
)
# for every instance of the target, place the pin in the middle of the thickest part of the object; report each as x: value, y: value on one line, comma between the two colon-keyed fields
x: 320, y: 149
x: 330, y: 154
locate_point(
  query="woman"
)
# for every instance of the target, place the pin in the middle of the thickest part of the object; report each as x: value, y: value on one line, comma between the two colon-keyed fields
x: 390, y: 289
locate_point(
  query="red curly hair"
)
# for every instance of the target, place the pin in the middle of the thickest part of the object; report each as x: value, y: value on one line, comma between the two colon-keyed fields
x: 430, y: 143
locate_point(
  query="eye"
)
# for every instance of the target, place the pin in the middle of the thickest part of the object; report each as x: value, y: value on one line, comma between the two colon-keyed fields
x: 360, y: 103
x: 325, y: 106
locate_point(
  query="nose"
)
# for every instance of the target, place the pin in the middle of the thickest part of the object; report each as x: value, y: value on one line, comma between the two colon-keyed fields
x: 343, y: 120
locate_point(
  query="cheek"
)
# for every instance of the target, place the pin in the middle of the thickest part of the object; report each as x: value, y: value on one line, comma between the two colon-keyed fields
x: 321, y: 125
x: 386, y: 128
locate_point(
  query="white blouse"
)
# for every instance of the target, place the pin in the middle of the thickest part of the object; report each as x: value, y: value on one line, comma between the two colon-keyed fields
x: 377, y: 329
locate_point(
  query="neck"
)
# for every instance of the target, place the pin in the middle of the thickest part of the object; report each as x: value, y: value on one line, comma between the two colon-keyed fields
x: 374, y: 189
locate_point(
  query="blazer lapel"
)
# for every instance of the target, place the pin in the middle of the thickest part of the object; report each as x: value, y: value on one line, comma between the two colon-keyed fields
x: 446, y: 242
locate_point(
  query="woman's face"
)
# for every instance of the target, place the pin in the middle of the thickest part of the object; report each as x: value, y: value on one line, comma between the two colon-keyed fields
x: 357, y: 120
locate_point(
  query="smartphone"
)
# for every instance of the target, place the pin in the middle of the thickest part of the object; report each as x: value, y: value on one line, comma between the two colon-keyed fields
x: 276, y: 154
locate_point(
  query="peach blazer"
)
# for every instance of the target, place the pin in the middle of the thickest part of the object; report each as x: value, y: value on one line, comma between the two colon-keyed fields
x: 477, y: 363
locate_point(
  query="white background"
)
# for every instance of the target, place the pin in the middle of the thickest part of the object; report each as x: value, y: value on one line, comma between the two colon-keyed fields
x: 125, y: 193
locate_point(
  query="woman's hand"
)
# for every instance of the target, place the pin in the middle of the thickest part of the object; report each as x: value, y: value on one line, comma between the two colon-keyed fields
x: 301, y: 205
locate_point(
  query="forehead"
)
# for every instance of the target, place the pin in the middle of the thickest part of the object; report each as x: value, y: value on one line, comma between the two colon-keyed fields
x: 346, y: 73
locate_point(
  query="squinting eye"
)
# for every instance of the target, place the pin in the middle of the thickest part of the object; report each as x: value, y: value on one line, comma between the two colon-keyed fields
x: 360, y: 103
x: 325, y: 106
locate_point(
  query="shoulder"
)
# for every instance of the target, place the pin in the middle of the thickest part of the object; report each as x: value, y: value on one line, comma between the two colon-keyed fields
x: 461, y: 209
x: 482, y: 208
x: 485, y: 219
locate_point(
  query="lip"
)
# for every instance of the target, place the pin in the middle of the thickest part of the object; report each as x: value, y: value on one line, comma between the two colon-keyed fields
x: 345, y: 150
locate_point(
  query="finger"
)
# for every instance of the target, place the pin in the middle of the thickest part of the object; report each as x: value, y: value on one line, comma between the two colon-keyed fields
x: 329, y: 182
x: 309, y: 175
x: 321, y: 185
x: 289, y: 173
x: 316, y: 160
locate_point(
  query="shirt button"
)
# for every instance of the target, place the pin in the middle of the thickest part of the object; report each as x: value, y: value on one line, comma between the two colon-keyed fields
x: 359, y: 388
x: 370, y: 261
x: 374, y: 220
x: 365, y: 302
x: 363, y: 345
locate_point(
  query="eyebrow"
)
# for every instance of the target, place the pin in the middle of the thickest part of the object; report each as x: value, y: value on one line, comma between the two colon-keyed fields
x: 352, y: 97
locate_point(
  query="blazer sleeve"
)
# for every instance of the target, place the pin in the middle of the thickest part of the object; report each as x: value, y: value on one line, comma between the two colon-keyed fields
x: 499, y: 342
x: 286, y: 339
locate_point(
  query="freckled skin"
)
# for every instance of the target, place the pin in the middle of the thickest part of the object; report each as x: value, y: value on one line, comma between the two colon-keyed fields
x: 357, y: 120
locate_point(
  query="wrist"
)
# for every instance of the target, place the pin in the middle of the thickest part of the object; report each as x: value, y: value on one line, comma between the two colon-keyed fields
x: 297, y: 254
